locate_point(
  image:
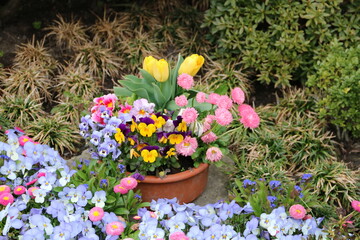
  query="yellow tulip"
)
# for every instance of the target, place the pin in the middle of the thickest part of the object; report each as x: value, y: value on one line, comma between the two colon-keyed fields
x: 191, y: 64
x: 161, y: 70
x: 148, y: 64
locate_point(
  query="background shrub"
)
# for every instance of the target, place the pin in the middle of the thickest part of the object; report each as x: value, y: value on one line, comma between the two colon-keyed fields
x: 336, y: 82
x: 280, y: 40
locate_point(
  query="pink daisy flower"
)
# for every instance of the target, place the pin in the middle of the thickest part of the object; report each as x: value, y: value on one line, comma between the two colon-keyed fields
x: 224, y: 102
x: 189, y: 115
x: 297, y: 211
x: 208, y: 121
x: 238, y: 95
x: 356, y: 205
x: 213, y: 98
x: 244, y: 108
x: 223, y: 116
x: 213, y: 154
x: 6, y: 198
x: 250, y: 119
x: 128, y: 183
x: 187, y: 147
x: 31, y: 191
x: 181, y: 101
x: 178, y: 236
x: 114, y: 228
x: 23, y: 139
x: 4, y: 189
x: 96, y: 214
x: 120, y: 189
x: 19, y: 190
x: 208, y: 138
x: 200, y: 97
x: 185, y: 81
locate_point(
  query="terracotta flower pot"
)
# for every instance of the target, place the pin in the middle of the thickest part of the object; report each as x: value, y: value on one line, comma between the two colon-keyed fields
x: 185, y: 186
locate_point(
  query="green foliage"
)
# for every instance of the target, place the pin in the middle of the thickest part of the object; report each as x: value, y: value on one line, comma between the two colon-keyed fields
x: 55, y: 132
x: 280, y: 39
x: 37, y: 25
x: 337, y: 85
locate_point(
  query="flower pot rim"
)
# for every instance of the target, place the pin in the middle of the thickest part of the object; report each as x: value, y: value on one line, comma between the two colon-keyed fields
x: 177, y: 176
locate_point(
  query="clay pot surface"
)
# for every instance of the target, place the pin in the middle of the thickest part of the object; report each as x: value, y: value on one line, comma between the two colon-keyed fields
x: 185, y: 186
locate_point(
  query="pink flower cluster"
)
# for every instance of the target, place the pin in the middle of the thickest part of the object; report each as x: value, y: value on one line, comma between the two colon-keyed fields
x: 103, y: 106
x: 223, y: 116
x: 125, y: 185
x: 6, y: 196
x: 114, y: 228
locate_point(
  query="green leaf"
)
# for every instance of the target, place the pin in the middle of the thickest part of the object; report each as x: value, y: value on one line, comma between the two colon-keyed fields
x: 110, y: 199
x: 147, y: 76
x: 57, y: 189
x: 82, y: 175
x: 159, y: 97
x: 222, y: 89
x: 121, y: 211
x: 122, y: 92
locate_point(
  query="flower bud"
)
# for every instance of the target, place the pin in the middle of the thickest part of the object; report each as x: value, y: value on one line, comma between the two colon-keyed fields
x: 148, y: 64
x: 161, y: 70
x: 191, y: 64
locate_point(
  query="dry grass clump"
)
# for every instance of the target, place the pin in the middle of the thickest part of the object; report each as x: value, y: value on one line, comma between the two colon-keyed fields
x: 134, y: 50
x: 99, y: 61
x: 54, y: 131
x: 20, y: 110
x: 336, y: 183
x: 33, y: 81
x: 33, y: 53
x: 109, y: 31
x: 77, y: 81
x: 67, y: 34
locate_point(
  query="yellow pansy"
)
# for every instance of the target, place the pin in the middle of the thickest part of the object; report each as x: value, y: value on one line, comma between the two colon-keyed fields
x: 163, y: 140
x: 161, y: 70
x: 131, y: 141
x: 119, y: 136
x: 133, y: 153
x: 148, y: 64
x: 176, y: 138
x: 158, y: 121
x: 170, y: 153
x: 191, y: 64
x: 149, y: 156
x: 133, y: 126
x: 146, y: 130
x: 182, y: 127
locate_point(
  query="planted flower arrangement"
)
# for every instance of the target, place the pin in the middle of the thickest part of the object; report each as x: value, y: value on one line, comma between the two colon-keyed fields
x: 39, y: 200
x: 158, y: 125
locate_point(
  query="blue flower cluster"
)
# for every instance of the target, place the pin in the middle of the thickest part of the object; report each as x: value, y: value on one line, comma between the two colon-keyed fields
x: 211, y: 221
x: 47, y: 209
x: 198, y: 222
